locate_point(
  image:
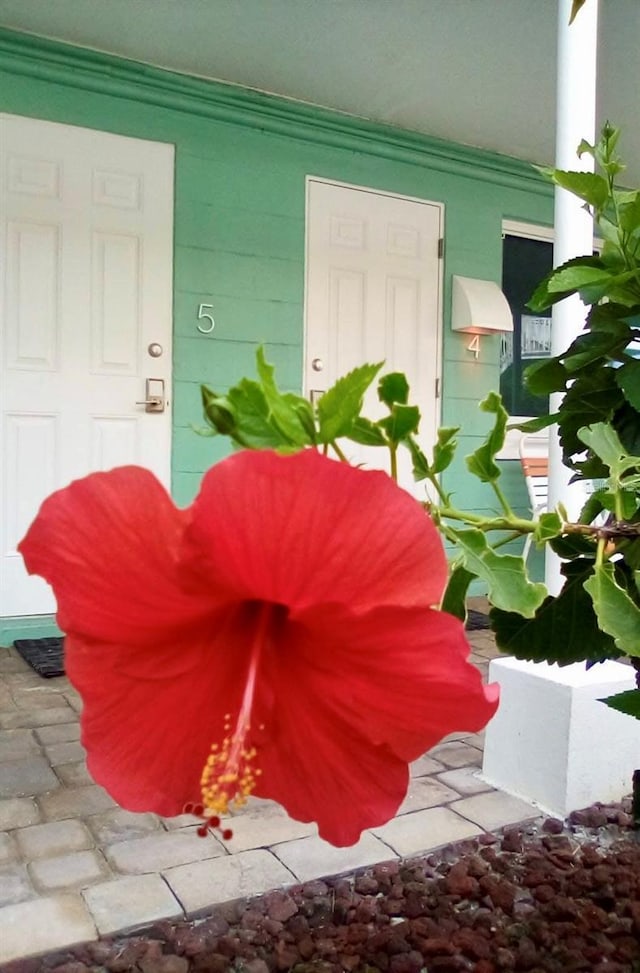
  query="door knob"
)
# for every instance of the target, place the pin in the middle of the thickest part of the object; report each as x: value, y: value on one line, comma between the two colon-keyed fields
x: 317, y: 364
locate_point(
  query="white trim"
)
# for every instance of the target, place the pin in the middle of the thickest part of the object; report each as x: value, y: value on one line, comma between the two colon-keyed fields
x: 528, y: 231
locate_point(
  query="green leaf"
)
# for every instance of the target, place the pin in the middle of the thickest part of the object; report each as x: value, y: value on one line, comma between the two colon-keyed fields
x: 587, y: 185
x: 547, y: 293
x: 628, y: 379
x: 393, y: 388
x: 535, y: 425
x: 366, y: 432
x: 549, y: 525
x: 445, y: 448
x: 564, y: 629
x: 575, y: 10
x: 454, y: 600
x: 282, y: 414
x: 593, y: 397
x: 603, y: 440
x: 629, y: 211
x: 505, y: 574
x: 628, y: 702
x: 546, y: 376
x: 403, y: 421
x: 593, y: 345
x: 617, y: 614
x: 255, y: 426
x: 570, y: 279
x: 341, y: 405
x: 421, y: 469
x: 481, y: 463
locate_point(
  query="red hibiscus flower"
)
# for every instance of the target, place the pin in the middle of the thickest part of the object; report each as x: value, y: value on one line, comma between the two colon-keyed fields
x: 279, y: 634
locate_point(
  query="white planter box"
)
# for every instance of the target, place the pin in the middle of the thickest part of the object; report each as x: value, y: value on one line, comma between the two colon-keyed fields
x: 552, y: 742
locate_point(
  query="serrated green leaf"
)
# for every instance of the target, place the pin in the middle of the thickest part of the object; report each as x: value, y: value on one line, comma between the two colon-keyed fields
x: 367, y: 433
x: 546, y: 293
x: 570, y: 279
x: 627, y: 702
x: 454, y: 600
x: 445, y: 448
x: 534, y: 425
x: 617, y: 614
x: 255, y: 426
x: 628, y: 379
x: 403, y: 421
x: 564, y: 629
x: 505, y: 574
x: 481, y: 463
x: 341, y: 405
x: 282, y: 413
x: 393, y: 388
x: 628, y: 211
x: 420, y: 464
x: 549, y: 525
x: 593, y: 345
x: 586, y: 185
x: 544, y: 377
x: 603, y: 440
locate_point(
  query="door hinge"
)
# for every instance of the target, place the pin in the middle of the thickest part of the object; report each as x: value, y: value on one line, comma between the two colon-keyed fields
x: 437, y: 388
x: 440, y: 248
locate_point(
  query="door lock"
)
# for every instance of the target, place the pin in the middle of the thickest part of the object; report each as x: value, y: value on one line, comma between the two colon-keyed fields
x: 154, y: 395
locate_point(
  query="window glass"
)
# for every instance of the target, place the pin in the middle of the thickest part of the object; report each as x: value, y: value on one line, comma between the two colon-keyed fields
x: 524, y: 264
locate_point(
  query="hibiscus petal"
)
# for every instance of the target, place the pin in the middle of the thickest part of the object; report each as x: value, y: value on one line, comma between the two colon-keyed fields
x: 109, y: 544
x: 355, y: 698
x: 148, y: 723
x: 303, y: 529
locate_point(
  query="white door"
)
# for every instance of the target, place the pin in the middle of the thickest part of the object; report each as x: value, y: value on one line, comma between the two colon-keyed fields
x: 86, y: 251
x: 373, y: 286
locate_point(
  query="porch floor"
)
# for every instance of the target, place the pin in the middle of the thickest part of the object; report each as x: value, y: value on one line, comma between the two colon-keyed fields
x: 75, y: 866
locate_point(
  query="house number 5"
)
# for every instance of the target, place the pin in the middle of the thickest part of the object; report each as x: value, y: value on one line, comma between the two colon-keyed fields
x: 204, y: 312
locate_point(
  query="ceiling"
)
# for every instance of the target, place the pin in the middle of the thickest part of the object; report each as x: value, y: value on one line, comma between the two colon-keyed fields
x: 480, y: 72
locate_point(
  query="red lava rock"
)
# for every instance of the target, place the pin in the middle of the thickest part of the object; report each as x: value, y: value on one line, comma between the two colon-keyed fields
x: 512, y: 840
x: 459, y: 882
x: 501, y: 893
x: 164, y: 964
x: 553, y: 826
x: 280, y: 906
x: 549, y: 898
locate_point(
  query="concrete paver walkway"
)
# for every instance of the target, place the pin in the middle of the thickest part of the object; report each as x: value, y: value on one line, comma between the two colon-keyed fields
x: 74, y: 866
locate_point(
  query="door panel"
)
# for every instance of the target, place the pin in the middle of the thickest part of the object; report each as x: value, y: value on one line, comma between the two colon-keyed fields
x: 373, y: 281
x: 86, y: 244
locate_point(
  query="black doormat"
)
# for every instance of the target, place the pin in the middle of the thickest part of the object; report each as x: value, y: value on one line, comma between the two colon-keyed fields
x: 476, y: 621
x: 44, y: 655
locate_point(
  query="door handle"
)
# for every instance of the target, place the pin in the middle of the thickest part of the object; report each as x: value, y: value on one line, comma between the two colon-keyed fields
x: 154, y: 395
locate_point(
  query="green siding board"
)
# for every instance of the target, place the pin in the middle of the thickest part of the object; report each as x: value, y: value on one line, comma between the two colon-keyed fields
x: 242, y: 162
x: 194, y: 453
x: 238, y: 274
x: 211, y: 226
x: 223, y: 363
x: 238, y: 318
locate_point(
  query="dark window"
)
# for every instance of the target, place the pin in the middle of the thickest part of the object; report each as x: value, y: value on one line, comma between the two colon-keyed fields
x: 524, y: 264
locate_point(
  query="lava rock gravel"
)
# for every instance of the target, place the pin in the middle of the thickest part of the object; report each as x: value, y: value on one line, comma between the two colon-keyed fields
x: 552, y: 896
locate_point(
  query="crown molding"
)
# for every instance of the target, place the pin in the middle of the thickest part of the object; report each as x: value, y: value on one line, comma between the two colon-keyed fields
x: 52, y: 61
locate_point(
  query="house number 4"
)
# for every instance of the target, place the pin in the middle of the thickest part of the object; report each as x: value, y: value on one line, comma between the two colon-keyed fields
x: 204, y: 312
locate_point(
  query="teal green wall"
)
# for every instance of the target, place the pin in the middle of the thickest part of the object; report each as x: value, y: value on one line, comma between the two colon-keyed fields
x: 241, y: 163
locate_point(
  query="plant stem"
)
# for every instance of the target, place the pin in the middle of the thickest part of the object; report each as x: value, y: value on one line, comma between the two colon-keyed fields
x: 338, y: 451
x: 393, y: 451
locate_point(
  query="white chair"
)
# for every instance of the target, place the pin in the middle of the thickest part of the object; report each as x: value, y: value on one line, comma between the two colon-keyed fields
x: 534, y: 458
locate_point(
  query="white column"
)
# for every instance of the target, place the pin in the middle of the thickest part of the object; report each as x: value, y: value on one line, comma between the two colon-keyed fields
x: 576, y: 111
